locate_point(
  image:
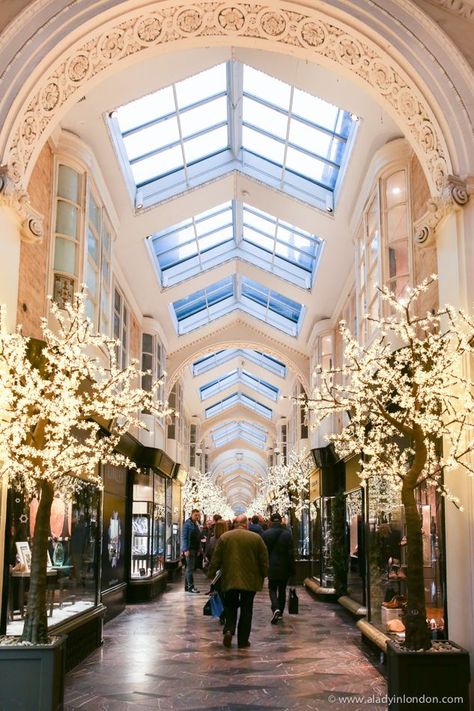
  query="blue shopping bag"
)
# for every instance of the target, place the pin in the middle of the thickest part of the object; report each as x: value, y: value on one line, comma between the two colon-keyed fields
x: 217, y: 608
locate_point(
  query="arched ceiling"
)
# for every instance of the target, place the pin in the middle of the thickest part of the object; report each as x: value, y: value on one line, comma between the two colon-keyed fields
x: 237, y: 400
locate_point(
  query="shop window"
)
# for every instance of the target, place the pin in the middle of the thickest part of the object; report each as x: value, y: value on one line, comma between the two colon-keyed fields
x: 148, y: 524
x: 369, y: 266
x: 396, y: 226
x: 388, y: 564
x: 73, y: 556
x: 67, y: 231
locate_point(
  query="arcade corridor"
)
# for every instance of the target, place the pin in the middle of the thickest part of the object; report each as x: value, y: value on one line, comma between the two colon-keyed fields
x: 166, y: 656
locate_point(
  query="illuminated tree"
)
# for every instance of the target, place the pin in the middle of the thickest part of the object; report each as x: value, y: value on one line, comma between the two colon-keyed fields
x: 64, y: 405
x: 410, y: 414
x: 200, y: 492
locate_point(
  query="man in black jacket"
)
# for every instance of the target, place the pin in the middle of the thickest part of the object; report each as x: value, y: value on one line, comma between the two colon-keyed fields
x: 190, y: 545
x: 279, y: 542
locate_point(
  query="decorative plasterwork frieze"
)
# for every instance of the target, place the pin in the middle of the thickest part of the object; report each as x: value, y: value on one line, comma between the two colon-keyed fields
x: 454, y: 196
x: 463, y: 8
x: 311, y: 33
x: 31, y: 221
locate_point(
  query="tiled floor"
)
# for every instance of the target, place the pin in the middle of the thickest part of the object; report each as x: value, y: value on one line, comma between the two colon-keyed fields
x: 167, y: 656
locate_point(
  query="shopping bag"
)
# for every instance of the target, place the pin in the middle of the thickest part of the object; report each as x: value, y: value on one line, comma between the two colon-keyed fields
x: 293, y: 602
x: 217, y: 607
x: 206, y: 610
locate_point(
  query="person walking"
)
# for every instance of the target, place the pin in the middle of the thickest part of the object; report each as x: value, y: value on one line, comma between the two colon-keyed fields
x: 242, y: 558
x: 190, y: 545
x: 279, y: 542
x: 254, y: 525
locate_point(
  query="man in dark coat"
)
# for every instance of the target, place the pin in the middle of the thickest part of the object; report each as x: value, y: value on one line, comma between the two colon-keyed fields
x: 254, y: 525
x: 279, y: 542
x: 242, y: 558
x: 190, y: 545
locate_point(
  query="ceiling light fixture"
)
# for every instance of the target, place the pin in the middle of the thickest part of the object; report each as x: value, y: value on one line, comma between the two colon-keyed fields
x: 354, y: 117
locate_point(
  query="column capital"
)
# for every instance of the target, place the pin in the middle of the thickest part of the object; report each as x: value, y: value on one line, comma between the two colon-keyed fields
x: 454, y: 195
x: 31, y: 221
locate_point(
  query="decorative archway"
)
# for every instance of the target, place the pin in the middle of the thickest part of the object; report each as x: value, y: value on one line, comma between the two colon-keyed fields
x: 324, y: 37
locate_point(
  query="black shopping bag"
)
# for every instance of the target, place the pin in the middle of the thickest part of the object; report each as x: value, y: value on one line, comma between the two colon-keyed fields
x: 207, y: 610
x: 293, y: 602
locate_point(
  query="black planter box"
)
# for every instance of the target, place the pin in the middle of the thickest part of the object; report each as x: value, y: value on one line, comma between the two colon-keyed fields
x: 32, y: 678
x: 415, y: 676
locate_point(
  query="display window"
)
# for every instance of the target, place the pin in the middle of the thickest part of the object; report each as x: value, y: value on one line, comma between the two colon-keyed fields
x: 73, y: 556
x: 389, y: 572
x: 355, y: 545
x: 148, y: 524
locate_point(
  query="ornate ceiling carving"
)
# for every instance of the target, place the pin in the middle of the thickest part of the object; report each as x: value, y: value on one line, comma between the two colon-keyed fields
x: 309, y: 32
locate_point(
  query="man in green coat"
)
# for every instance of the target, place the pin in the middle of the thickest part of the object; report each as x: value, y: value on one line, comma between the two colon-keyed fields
x: 242, y: 558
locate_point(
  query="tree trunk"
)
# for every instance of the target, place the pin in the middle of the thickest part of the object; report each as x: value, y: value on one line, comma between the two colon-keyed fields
x: 417, y: 635
x: 35, y: 629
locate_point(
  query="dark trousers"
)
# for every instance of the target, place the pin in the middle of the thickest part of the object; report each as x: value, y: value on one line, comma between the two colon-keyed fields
x: 277, y: 590
x: 233, y: 599
x: 190, y: 568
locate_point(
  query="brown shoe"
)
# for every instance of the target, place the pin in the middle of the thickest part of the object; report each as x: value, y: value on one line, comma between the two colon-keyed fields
x: 227, y: 641
x: 397, y: 602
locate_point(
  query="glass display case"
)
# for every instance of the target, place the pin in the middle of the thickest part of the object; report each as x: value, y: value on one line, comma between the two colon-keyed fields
x: 73, y: 556
x: 322, y: 569
x: 148, y: 524
x: 388, y: 569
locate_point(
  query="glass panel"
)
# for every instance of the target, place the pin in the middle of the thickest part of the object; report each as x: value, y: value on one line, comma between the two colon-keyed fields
x: 159, y: 135
x: 65, y: 255
x: 203, y: 116
x: 397, y: 219
x: 262, y: 85
x: 92, y: 246
x: 200, y: 86
x: 306, y: 165
x: 398, y: 259
x: 66, y: 218
x: 161, y: 164
x: 94, y: 213
x: 92, y: 282
x: 205, y: 145
x: 314, y: 109
x: 310, y: 138
x: 263, y: 145
x: 69, y: 183
x: 396, y: 189
x: 139, y: 112
x: 265, y: 117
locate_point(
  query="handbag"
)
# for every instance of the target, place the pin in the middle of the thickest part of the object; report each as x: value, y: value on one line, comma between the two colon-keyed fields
x: 206, y: 610
x: 217, y: 607
x: 293, y: 602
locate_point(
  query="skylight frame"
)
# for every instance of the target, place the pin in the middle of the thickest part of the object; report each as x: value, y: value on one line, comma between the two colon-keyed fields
x: 229, y: 431
x: 213, y: 360
x: 231, y: 154
x: 264, y: 309
x: 243, y: 377
x: 238, y: 398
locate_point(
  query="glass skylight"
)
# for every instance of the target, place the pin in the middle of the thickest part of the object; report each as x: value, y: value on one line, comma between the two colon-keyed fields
x: 238, y: 375
x: 237, y: 292
x: 236, y: 466
x: 208, y: 362
x: 232, y: 117
x: 235, y: 229
x: 235, y: 399
x: 254, y: 434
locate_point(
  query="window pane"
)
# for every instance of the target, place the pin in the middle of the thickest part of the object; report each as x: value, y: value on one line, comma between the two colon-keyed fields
x: 310, y: 138
x: 211, y: 81
x: 262, y: 145
x: 305, y: 165
x: 396, y: 188
x: 397, y: 226
x: 139, y: 112
x: 203, y: 146
x: 66, y: 219
x: 203, y: 116
x: 92, y: 282
x: 160, y: 164
x: 92, y: 246
x: 69, y: 183
x: 266, y: 87
x: 264, y: 117
x: 65, y: 256
x: 398, y: 259
x: 94, y: 212
x: 314, y: 109
x: 157, y: 136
